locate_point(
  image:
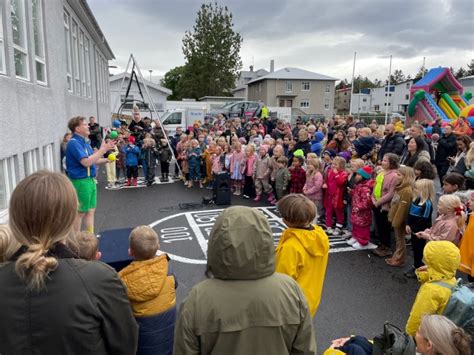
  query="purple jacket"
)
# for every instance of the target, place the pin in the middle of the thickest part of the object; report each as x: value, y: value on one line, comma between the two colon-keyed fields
x: 312, y: 188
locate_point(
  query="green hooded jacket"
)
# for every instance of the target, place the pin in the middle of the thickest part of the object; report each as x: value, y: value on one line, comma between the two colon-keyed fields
x: 246, y: 308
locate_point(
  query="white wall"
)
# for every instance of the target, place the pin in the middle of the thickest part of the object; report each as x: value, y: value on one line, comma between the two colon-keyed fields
x: 396, y: 99
x: 35, y: 115
x: 361, y: 103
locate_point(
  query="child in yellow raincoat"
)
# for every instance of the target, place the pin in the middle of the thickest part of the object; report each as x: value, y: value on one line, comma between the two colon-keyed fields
x: 466, y: 246
x: 303, y: 249
x: 442, y: 259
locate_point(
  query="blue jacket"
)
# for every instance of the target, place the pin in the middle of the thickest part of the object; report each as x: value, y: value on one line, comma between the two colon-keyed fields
x: 364, y: 145
x: 194, y: 156
x: 156, y: 333
x: 132, y: 152
x: 316, y: 145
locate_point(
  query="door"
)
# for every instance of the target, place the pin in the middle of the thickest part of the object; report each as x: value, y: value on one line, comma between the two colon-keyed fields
x: 289, y: 103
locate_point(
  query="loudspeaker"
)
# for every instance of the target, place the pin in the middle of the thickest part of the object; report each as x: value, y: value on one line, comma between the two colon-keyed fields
x: 113, y: 244
x: 221, y: 192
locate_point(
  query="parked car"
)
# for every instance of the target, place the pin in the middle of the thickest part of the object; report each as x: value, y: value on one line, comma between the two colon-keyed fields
x: 180, y: 117
x: 247, y: 109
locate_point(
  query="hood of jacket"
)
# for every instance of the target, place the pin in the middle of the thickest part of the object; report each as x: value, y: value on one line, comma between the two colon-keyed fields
x: 312, y: 242
x: 145, y: 278
x: 365, y: 141
x: 241, y: 245
x: 442, y: 258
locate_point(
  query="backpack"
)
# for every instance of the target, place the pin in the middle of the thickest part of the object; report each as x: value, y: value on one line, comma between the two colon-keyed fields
x: 393, y: 341
x: 460, y: 307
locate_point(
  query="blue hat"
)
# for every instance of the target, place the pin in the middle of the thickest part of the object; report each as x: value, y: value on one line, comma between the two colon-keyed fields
x: 331, y: 152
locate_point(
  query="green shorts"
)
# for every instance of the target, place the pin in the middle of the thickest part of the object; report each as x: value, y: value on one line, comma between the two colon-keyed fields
x: 86, y: 190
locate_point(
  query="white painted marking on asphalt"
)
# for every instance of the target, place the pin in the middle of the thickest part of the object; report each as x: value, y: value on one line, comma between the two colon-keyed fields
x: 197, y: 232
x: 206, y: 218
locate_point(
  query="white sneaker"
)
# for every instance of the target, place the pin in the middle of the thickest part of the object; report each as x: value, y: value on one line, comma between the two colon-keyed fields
x: 337, y: 231
x: 352, y: 241
x: 330, y: 231
x: 359, y: 246
x: 346, y: 233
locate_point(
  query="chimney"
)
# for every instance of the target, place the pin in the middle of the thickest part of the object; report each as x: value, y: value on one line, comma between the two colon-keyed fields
x: 251, y: 68
x: 272, y: 66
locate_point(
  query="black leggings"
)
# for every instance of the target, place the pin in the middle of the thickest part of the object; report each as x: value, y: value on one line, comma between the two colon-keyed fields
x: 132, y: 172
x: 418, y: 245
x: 383, y: 227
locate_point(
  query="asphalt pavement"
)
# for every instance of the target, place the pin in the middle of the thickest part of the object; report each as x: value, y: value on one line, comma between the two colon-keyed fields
x: 360, y: 291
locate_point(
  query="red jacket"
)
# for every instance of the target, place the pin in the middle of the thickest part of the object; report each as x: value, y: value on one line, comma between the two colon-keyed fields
x: 336, y: 186
x: 361, y: 194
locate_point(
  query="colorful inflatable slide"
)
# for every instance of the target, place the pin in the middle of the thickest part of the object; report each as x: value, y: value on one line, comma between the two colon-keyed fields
x: 439, y: 95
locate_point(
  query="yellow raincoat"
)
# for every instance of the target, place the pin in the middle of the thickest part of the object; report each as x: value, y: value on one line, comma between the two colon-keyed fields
x: 302, y: 254
x: 149, y: 287
x: 442, y: 260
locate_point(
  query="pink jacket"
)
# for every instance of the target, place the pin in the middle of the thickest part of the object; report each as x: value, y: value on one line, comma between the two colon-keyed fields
x: 237, y: 157
x: 313, y: 187
x: 216, y: 163
x: 249, y: 167
x: 388, y: 190
x: 445, y: 227
x: 362, y: 204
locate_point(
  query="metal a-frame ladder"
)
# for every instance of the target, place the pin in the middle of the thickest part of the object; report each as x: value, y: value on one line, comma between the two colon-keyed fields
x: 133, y: 74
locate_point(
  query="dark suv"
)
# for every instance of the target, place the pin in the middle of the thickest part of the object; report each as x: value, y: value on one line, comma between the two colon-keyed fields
x: 246, y: 109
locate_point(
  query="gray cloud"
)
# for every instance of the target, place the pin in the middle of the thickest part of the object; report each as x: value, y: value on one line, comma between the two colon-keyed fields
x: 314, y: 35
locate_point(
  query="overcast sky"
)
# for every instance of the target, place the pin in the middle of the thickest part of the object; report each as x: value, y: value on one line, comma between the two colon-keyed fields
x: 316, y: 35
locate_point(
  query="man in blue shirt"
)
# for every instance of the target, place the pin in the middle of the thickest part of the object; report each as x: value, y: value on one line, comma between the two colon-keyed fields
x: 81, y: 163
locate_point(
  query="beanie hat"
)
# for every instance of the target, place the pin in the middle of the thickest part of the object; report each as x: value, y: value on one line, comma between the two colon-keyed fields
x: 298, y: 153
x: 331, y: 152
x: 346, y: 155
x: 319, y: 136
x: 131, y: 139
x: 264, y: 147
x: 242, y: 140
x: 365, y: 172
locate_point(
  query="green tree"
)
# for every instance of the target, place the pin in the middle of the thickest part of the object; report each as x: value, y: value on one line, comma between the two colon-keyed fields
x: 342, y: 84
x: 421, y: 73
x: 212, y: 54
x: 361, y: 83
x: 470, y: 68
x: 171, y: 81
x: 460, y: 73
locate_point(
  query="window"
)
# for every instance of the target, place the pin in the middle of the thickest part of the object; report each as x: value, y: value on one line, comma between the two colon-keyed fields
x: 328, y: 88
x: 38, y: 35
x: 289, y: 86
x: 376, y: 108
x: 174, y: 118
x: 408, y: 85
x: 364, y: 100
x: 75, y: 59
x: 87, y: 61
x: 82, y: 63
x: 67, y: 36
x: 3, y: 69
x: 326, y: 104
x: 20, y: 47
x: 305, y: 86
x: 31, y: 161
x: 48, y: 157
x: 8, y: 179
x: 407, y: 97
x: 304, y: 104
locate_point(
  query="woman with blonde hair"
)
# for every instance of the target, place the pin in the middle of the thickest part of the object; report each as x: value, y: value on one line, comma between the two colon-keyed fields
x: 50, y: 301
x: 439, y: 335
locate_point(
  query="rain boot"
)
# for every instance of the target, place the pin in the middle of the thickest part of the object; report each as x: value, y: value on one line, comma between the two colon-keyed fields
x: 135, y: 182
x: 129, y: 182
x: 257, y: 199
x: 271, y: 197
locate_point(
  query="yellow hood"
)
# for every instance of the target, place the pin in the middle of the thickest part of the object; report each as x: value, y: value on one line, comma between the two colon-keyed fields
x: 311, y: 242
x: 442, y: 258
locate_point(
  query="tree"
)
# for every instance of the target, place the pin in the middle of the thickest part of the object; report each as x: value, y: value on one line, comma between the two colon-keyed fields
x: 470, y: 68
x: 342, y: 84
x: 461, y: 73
x: 421, y: 73
x: 361, y: 83
x: 397, y: 77
x: 171, y: 81
x: 212, y: 54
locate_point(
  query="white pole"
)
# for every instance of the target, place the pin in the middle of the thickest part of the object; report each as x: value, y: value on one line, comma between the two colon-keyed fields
x: 352, y: 83
x: 118, y: 102
x: 388, y: 90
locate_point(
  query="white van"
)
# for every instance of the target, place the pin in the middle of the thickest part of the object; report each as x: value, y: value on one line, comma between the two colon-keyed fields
x: 180, y: 117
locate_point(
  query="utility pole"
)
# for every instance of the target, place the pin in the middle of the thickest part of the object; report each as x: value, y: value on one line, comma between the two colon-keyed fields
x: 151, y: 71
x: 352, y: 83
x: 388, y: 90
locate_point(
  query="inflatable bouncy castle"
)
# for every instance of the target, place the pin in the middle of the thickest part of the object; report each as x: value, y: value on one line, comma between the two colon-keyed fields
x: 439, y: 95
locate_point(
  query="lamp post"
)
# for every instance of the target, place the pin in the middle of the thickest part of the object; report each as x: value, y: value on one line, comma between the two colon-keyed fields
x: 151, y: 71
